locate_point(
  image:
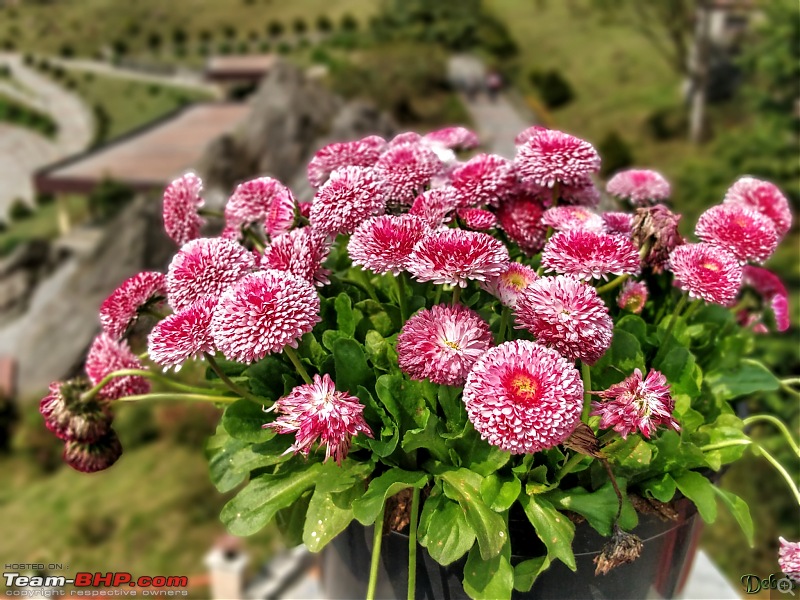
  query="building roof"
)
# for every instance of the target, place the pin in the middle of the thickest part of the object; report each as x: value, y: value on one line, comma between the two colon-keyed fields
x: 148, y: 157
x: 240, y: 67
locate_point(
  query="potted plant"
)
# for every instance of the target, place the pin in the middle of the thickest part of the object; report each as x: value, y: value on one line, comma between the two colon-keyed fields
x: 466, y: 351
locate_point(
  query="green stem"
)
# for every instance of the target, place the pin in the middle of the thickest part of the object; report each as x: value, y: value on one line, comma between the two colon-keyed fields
x: 568, y: 466
x: 501, y: 334
x: 783, y: 472
x: 412, y: 545
x: 367, y: 285
x: 586, y: 375
x: 377, y: 538
x: 401, y: 296
x: 728, y: 444
x: 791, y: 381
x: 438, y: 297
x: 612, y: 284
x: 205, y: 212
x: 227, y: 380
x: 777, y: 423
x: 692, y: 309
x: 671, y: 326
x: 456, y: 294
x: 258, y: 243
x: 187, y: 397
x: 88, y: 395
x: 297, y: 364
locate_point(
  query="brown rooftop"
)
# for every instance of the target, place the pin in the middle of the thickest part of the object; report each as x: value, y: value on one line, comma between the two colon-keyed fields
x: 147, y: 158
x: 239, y: 67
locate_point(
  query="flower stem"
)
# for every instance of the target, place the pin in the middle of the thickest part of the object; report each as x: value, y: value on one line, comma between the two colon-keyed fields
x: 412, y: 545
x: 377, y: 538
x: 258, y: 243
x: 783, y: 472
x: 612, y: 284
x: 187, y: 397
x: 791, y: 381
x: 779, y: 424
x: 438, y: 296
x: 366, y: 284
x: 571, y: 463
x: 89, y: 394
x: 456, y: 294
x: 401, y: 296
x: 501, y: 334
x: 206, y: 212
x: 692, y: 309
x: 616, y: 488
x: 586, y: 375
x: 297, y: 364
x: 227, y: 380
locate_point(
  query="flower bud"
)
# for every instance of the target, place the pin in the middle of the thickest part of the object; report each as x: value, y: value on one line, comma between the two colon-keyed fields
x: 70, y: 417
x: 94, y: 456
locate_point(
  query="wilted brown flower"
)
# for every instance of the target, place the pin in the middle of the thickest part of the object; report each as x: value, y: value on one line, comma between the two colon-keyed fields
x: 621, y: 549
x: 656, y: 228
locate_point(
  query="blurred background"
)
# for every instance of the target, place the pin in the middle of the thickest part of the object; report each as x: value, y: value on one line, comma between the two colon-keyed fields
x: 102, y: 103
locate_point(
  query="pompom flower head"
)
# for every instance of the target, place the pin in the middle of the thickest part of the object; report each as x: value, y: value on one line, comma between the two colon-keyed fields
x: 264, y: 201
x: 566, y: 218
x: 772, y: 292
x: 637, y: 404
x: 633, y: 296
x: 618, y: 223
x: 765, y: 197
x: 477, y: 218
x: 435, y: 206
x: 442, y: 344
x: 459, y: 138
x: 789, y: 559
x: 568, y: 315
x: 407, y: 168
x: 205, y: 267
x: 523, y: 397
x: 181, y: 203
x: 91, y: 457
x: 349, y: 197
x: 263, y: 313
x: 484, y: 179
x: 521, y: 220
x: 69, y: 417
x: 121, y: 308
x: 300, y: 252
x: 384, y: 244
x: 183, y: 335
x: 590, y: 255
x: 107, y: 355
x: 316, y: 412
x: 454, y: 256
x: 549, y: 157
x: 509, y: 284
x: 526, y: 134
x: 581, y: 193
x: 640, y: 186
x: 358, y: 153
x: 707, y: 272
x: 748, y: 234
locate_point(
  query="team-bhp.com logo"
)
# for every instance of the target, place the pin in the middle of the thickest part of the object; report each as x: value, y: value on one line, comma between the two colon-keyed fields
x: 94, y: 584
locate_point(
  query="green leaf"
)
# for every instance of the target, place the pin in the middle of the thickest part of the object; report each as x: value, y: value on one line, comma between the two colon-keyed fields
x: 552, y: 527
x: 310, y: 349
x: 464, y: 487
x: 386, y: 444
x: 243, y: 420
x: 684, y: 376
x: 622, y: 357
x: 526, y: 572
x: 329, y: 337
x: 444, y: 530
x: 673, y: 454
x: 479, y: 455
x: 376, y: 317
x: 291, y: 520
x: 599, y: 507
x: 634, y: 325
x: 352, y: 369
x: 256, y: 504
x: 346, y: 318
x: 739, y: 510
x: 230, y: 460
x: 700, y: 491
x: 492, y: 579
x: 454, y: 411
x: 661, y: 488
x: 428, y: 438
x: 265, y: 377
x: 750, y: 377
x: 632, y: 453
x: 338, y: 478
x: 367, y: 508
x: 403, y: 399
x: 379, y: 351
x: 499, y: 493
x: 329, y: 513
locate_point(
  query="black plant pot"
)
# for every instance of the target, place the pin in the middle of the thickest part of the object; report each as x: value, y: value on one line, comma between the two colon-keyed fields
x: 659, y: 572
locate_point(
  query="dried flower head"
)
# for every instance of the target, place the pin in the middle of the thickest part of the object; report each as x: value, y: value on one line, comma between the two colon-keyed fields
x: 589, y: 255
x: 91, y: 457
x: 509, y: 284
x: 748, y: 234
x: 407, y: 168
x: 707, y: 272
x: 621, y: 549
x: 656, y: 228
x: 349, y: 197
x: 70, y: 417
x: 181, y: 203
x: 183, y: 335
x: 384, y: 244
x: 300, y: 252
x: 640, y: 186
x: 551, y: 157
x: 764, y: 197
x: 484, y: 179
x: 566, y: 218
x: 359, y: 153
x: 264, y: 201
x: 633, y: 296
x: 121, y: 308
x: 521, y: 220
x: 107, y: 355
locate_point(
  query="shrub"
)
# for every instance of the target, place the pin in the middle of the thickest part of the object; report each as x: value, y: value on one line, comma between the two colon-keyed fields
x: 275, y: 28
x: 553, y: 88
x: 66, y: 50
x: 108, y: 198
x: 154, y: 40
x: 179, y: 36
x: 9, y: 45
x: 616, y: 152
x: 205, y: 35
x: 265, y: 47
x: 20, y: 210
x: 666, y: 123
x: 349, y: 23
x: 299, y: 25
x: 324, y: 24
x: 229, y: 31
x: 284, y: 48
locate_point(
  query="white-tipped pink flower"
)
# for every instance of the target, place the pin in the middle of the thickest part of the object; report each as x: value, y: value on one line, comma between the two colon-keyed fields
x: 459, y: 138
x: 477, y: 218
x: 523, y: 397
x: 765, y: 197
x: 508, y: 285
x: 183, y: 335
x: 435, y: 206
x: 568, y: 315
x: 442, y: 344
x: 566, y: 218
x: 590, y: 255
x: 526, y: 134
x: 748, y: 234
x: 262, y: 314
x: 316, y: 412
x: 300, y: 252
x: 618, y: 223
x: 181, y: 203
x: 358, y: 153
x: 633, y: 296
x: 264, y: 201
x: 484, y: 179
x: 772, y: 292
x: 521, y: 220
x: 640, y: 186
x: 349, y: 197
x: 205, y: 267
x: 107, y: 355
x: 407, y: 168
x: 551, y: 157
x: 122, y: 306
x: 637, y: 404
x: 455, y: 256
x: 581, y: 193
x: 384, y: 244
x: 707, y: 272
x: 789, y: 559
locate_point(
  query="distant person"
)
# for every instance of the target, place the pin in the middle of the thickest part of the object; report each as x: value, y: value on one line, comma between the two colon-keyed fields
x: 494, y: 83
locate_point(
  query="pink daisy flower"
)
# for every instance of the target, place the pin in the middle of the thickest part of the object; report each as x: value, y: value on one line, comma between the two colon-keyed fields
x: 633, y: 296
x: 637, y: 404
x: 508, y: 285
x: 566, y: 218
x: 454, y: 256
x: 772, y: 291
x: 384, y: 244
x: 484, y: 179
x: 523, y: 397
x: 94, y: 456
x: 407, y: 168
x: 107, y: 355
x: 459, y: 138
x: 521, y: 220
x: 618, y: 223
x: 264, y: 201
x: 527, y: 134
x: 359, y: 153
x: 316, y: 412
x: 304, y: 208
x: 656, y: 228
x: 789, y: 559
x: 442, y: 344
x: 435, y: 206
x: 183, y: 335
x: 205, y: 267
x: 300, y: 252
x: 262, y: 313
x: 748, y: 234
x: 566, y: 314
x: 181, y: 202
x: 765, y: 197
x: 707, y: 272
x: 552, y: 156
x: 477, y: 218
x: 581, y: 193
x: 640, y: 186
x: 121, y: 308
x: 71, y: 418
x: 349, y: 197
x: 590, y: 255
x: 406, y: 137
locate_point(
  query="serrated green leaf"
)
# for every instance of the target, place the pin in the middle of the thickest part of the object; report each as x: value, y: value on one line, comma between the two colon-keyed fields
x: 377, y: 317
x: 491, y: 579
x: 380, y: 351
x: 477, y: 454
x: 243, y: 420
x: 352, y: 369
x: 632, y: 453
x: 700, y: 491
x: 310, y: 349
x: 329, y: 337
x: 454, y: 411
x: 329, y: 513
x: 403, y: 399
x: 527, y: 572
x: 367, y: 508
x: 384, y: 445
x: 552, y: 527
x: 444, y: 530
x: 739, y: 510
x: 499, y: 493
